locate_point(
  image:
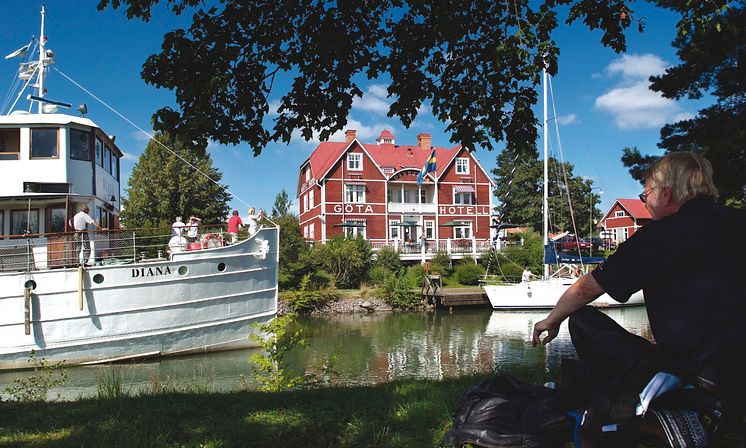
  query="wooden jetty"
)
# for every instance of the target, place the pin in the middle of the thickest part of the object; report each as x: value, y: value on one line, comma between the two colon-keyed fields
x: 432, y: 293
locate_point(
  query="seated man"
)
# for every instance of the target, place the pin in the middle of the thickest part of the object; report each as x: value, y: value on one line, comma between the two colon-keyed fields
x: 695, y: 304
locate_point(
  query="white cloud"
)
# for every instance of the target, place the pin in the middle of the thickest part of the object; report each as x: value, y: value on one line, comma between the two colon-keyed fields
x: 634, y: 67
x: 567, y: 119
x: 129, y: 157
x: 631, y: 102
x: 373, y: 100
x: 364, y: 133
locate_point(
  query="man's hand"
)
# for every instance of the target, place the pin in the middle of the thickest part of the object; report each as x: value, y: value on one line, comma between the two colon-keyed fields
x: 551, y: 328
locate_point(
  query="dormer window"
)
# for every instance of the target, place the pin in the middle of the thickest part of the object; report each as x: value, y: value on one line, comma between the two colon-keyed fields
x: 355, y: 161
x: 462, y: 165
x: 44, y: 143
x: 10, y: 144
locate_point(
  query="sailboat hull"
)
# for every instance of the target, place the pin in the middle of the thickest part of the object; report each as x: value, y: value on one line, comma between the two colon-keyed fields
x: 543, y: 294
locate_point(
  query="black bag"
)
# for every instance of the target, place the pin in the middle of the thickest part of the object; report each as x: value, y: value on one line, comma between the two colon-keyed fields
x: 506, y: 412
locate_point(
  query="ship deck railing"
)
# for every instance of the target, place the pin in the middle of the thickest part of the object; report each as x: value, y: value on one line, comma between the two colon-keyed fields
x: 33, y: 252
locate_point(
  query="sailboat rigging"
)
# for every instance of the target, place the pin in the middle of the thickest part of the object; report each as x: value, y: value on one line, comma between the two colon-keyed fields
x: 545, y: 292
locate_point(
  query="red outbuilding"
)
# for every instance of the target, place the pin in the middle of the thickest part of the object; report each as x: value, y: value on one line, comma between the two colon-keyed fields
x: 623, y: 218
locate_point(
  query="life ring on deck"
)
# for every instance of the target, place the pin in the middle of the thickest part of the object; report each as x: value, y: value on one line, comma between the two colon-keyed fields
x: 211, y: 240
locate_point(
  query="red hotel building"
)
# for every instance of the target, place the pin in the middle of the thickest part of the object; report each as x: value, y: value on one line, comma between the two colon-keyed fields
x: 371, y: 189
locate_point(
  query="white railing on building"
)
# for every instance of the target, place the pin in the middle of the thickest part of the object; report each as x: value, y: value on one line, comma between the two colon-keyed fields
x: 406, y: 207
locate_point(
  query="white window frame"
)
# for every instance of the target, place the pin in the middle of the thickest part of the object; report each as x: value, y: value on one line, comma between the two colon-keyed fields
x: 394, y: 230
x: 619, y: 214
x: 463, y: 198
x: 353, y: 232
x: 305, y: 232
x: 312, y: 231
x: 462, y: 232
x: 429, y: 230
x: 310, y: 199
x: 305, y: 203
x: 308, y: 174
x: 355, y: 161
x: 354, y: 194
x: 462, y: 165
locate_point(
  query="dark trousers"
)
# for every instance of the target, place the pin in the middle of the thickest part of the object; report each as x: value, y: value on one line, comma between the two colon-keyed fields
x: 619, y: 365
x: 82, y: 242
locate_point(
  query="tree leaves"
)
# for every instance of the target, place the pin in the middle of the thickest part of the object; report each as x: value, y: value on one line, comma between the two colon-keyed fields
x: 262, y: 72
x: 163, y: 186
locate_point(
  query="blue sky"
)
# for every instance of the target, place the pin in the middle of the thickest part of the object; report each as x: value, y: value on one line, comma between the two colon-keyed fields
x: 601, y: 97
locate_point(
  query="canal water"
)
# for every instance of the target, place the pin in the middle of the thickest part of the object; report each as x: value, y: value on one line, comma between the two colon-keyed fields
x: 365, y: 348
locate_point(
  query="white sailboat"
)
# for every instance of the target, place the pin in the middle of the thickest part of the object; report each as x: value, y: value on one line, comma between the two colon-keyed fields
x: 544, y: 293
x: 134, y: 301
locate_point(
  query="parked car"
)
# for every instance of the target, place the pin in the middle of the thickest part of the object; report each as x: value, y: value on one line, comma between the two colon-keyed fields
x: 595, y: 243
x: 570, y: 243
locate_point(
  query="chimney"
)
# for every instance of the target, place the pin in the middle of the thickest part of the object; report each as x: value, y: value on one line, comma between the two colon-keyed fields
x: 350, y: 135
x: 423, y: 140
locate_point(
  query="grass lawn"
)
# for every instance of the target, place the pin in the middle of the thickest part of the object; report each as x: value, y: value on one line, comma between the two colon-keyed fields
x: 409, y: 413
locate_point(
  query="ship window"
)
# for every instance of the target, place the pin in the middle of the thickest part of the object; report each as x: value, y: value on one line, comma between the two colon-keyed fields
x: 2, y: 222
x: 10, y: 144
x: 107, y: 159
x: 55, y: 219
x: 99, y: 152
x: 115, y: 166
x: 24, y: 221
x: 102, y: 217
x: 80, y: 145
x: 44, y: 143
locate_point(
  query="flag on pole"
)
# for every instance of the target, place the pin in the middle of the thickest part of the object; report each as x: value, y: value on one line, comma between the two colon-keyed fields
x: 428, y: 168
x: 20, y: 52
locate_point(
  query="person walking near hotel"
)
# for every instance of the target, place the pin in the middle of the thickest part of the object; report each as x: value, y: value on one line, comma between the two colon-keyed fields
x: 696, y: 311
x: 234, y: 223
x: 82, y: 242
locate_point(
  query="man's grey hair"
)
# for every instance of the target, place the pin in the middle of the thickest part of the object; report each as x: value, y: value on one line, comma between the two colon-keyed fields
x: 686, y: 173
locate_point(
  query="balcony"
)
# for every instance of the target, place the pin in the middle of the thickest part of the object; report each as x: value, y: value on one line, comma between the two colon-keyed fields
x: 414, y: 208
x: 456, y: 248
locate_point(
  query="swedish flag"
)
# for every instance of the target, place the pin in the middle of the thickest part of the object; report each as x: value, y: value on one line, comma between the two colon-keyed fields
x: 428, y: 168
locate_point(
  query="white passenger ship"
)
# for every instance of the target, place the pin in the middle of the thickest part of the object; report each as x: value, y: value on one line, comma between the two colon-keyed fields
x: 133, y: 301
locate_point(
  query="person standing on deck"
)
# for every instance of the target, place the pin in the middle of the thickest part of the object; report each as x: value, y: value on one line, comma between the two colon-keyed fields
x: 80, y: 223
x: 696, y: 307
x: 526, y: 275
x: 234, y: 223
x: 251, y: 221
x: 192, y: 229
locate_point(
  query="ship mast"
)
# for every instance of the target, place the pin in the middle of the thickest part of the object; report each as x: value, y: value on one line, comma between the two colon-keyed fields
x: 546, y: 173
x: 42, y: 67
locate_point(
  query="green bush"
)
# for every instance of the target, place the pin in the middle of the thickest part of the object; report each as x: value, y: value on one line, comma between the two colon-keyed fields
x: 346, y: 259
x: 397, y: 291
x: 441, y: 263
x: 388, y: 258
x: 378, y: 273
x: 415, y: 275
x: 305, y: 299
x: 468, y: 273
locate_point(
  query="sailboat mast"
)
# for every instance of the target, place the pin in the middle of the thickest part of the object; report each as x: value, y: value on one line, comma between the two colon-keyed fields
x: 40, y: 76
x: 546, y: 172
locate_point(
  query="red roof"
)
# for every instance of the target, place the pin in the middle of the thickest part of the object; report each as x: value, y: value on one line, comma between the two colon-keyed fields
x: 386, y: 134
x: 635, y: 207
x: 384, y: 155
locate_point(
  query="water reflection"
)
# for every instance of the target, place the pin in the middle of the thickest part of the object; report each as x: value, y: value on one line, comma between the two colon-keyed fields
x: 368, y: 348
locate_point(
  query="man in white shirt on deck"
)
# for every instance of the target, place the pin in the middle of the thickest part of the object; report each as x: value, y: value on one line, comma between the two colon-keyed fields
x: 82, y: 242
